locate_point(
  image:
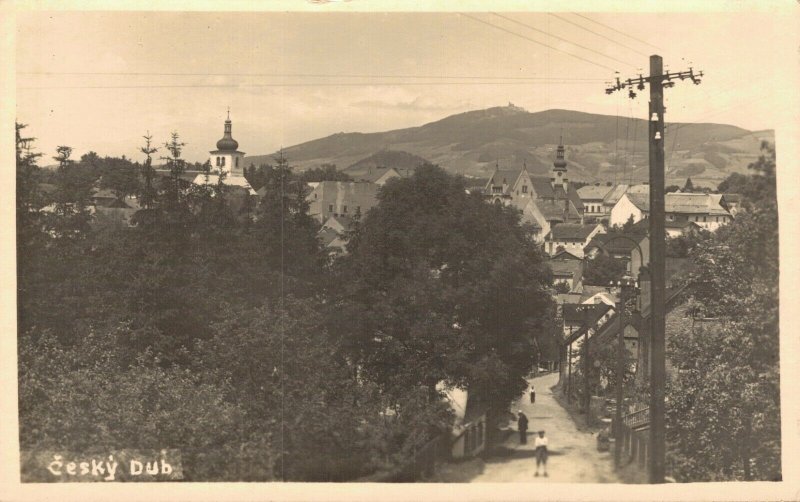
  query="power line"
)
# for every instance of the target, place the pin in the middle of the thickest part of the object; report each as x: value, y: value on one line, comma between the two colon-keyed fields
x: 616, y: 30
x: 320, y: 84
x: 536, y: 41
x: 598, y: 34
x: 564, y: 40
x: 300, y: 75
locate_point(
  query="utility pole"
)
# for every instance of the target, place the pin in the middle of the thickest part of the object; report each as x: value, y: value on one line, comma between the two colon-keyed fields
x: 620, y: 373
x: 658, y: 81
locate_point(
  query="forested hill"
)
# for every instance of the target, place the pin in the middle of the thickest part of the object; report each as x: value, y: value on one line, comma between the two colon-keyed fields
x: 472, y: 142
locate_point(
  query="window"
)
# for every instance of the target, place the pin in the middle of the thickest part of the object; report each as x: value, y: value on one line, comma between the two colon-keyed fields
x: 330, y: 208
x: 524, y: 188
x: 315, y: 196
x: 223, y: 161
x: 344, y: 209
x: 358, y: 209
x: 497, y: 189
x: 704, y: 219
x: 217, y: 161
x: 237, y: 161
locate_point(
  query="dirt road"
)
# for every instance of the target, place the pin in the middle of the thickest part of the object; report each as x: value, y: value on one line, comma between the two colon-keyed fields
x: 573, y: 454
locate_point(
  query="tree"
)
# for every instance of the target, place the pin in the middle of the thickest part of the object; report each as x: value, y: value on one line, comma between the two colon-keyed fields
x: 689, y: 186
x: 29, y: 199
x: 325, y: 172
x: 439, y: 286
x: 724, y: 393
x: 283, y: 222
x: 176, y: 166
x: 71, y: 214
x: 147, y: 197
x: 120, y: 176
x: 603, y: 269
x: 672, y: 189
x: 561, y: 287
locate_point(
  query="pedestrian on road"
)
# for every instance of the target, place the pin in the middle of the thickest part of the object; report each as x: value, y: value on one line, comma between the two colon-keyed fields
x: 522, y: 425
x: 541, y: 452
x: 533, y: 394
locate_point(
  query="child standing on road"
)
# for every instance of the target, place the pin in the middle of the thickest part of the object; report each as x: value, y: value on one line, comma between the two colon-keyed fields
x: 541, y: 452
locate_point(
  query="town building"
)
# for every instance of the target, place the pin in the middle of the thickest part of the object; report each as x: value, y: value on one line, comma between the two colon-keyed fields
x: 622, y: 245
x: 703, y: 209
x: 570, y: 237
x: 380, y: 175
x: 341, y: 198
x: 567, y: 269
x: 333, y: 234
x: 545, y: 202
x: 592, y: 197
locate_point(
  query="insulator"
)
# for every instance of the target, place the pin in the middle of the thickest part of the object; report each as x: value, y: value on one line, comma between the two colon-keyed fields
x: 631, y: 94
x: 658, y: 135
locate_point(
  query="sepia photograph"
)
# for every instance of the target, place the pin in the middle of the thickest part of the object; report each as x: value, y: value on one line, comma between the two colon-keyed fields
x: 521, y: 245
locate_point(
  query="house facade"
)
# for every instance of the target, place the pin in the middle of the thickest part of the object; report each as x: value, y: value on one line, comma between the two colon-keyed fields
x: 705, y: 210
x: 592, y: 197
x: 341, y: 198
x: 573, y: 238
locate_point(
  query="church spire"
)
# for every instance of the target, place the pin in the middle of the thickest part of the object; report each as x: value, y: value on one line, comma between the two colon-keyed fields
x: 227, y: 143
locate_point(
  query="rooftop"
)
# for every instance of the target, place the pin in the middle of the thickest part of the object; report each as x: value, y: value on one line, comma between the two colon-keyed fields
x: 686, y: 203
x: 594, y: 192
x: 570, y: 231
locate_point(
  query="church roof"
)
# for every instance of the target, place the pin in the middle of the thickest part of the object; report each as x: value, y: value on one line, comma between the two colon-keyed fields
x: 236, y: 181
x: 505, y: 177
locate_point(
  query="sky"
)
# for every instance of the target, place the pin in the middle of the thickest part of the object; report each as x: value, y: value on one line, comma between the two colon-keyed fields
x: 101, y: 80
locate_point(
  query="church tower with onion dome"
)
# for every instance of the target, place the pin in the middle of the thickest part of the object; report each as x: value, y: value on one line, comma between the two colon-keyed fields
x: 227, y: 158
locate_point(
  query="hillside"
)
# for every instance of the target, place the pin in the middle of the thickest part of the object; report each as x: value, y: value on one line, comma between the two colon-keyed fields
x: 385, y: 158
x: 599, y: 147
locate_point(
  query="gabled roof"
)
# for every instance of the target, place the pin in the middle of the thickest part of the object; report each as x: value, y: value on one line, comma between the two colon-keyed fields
x: 685, y: 203
x: 542, y: 187
x: 376, y: 173
x: 570, y: 232
x: 593, y: 192
x: 230, y: 180
x: 345, y: 222
x: 590, y: 291
x: 505, y: 177
x: 327, y: 235
x: 564, y: 255
x: 639, y: 200
x: 613, y: 196
x: 550, y: 210
x: 595, y: 312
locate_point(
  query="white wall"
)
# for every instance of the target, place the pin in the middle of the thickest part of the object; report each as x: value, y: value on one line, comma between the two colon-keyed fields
x: 623, y: 210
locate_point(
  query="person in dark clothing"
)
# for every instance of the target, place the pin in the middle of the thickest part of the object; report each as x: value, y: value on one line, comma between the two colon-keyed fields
x: 522, y: 425
x: 533, y: 394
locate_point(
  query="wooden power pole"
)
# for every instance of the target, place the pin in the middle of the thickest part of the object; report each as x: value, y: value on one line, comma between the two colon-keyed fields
x: 658, y: 80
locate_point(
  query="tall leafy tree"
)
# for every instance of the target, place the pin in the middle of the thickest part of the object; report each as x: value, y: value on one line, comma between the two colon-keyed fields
x: 724, y: 396
x: 441, y: 287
